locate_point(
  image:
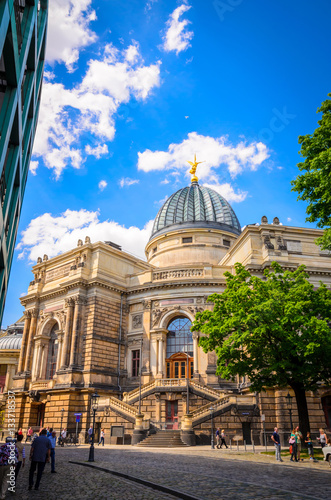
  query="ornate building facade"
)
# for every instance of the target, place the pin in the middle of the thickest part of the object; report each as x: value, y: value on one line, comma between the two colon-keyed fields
x: 97, y: 318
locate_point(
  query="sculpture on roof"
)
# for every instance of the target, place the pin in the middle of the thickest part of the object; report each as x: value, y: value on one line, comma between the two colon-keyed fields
x: 194, y: 164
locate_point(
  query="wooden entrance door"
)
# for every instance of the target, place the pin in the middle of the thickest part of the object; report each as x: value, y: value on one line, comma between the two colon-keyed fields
x: 177, y: 366
x: 172, y: 415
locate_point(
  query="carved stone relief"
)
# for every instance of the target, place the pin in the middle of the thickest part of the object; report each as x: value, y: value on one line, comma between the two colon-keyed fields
x: 137, y: 321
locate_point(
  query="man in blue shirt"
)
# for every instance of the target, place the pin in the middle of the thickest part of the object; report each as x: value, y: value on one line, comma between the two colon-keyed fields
x: 39, y: 454
x: 52, y: 439
x: 276, y: 439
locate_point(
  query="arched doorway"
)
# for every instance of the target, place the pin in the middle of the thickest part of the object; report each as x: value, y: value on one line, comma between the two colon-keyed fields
x: 179, y: 357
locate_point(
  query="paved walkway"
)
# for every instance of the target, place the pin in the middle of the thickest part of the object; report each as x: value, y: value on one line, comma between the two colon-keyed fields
x: 199, y: 471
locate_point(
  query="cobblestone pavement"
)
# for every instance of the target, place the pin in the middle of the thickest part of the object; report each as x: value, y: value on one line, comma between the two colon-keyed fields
x: 204, y: 473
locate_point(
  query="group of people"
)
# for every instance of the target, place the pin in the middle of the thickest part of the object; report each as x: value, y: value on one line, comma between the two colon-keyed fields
x: 295, y: 444
x: 13, y: 455
x: 220, y: 438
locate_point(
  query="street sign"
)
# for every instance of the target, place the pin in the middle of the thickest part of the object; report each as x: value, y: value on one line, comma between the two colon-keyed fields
x: 78, y: 415
x: 262, y: 418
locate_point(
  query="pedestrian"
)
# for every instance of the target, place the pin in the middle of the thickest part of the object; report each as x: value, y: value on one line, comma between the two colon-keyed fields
x: 8, y: 462
x: 299, y: 439
x: 39, y: 455
x: 310, y: 446
x: 29, y: 434
x: 52, y: 439
x: 223, y: 439
x: 322, y: 438
x: 276, y: 439
x: 21, y: 455
x: 63, y: 436
x: 90, y: 434
x: 293, y: 446
x: 102, y: 437
x: 49, y: 432
x: 218, y: 438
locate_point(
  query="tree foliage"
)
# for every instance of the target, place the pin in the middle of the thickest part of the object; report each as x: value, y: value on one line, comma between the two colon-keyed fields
x: 273, y: 329
x: 314, y: 185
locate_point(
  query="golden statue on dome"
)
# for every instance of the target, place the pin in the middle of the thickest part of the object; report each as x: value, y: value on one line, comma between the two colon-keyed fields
x: 194, y: 164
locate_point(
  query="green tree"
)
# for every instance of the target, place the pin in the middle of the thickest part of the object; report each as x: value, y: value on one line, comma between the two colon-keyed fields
x: 274, y: 329
x: 314, y: 185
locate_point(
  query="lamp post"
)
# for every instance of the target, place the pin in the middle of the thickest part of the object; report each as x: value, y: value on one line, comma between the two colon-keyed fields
x: 289, y: 407
x: 140, y: 366
x: 94, y: 405
x: 212, y: 428
x: 60, y: 436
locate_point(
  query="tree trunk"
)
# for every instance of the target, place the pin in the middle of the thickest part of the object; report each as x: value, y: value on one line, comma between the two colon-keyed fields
x: 300, y: 396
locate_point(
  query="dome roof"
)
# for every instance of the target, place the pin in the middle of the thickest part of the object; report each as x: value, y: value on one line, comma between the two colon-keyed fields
x: 13, y: 341
x: 196, y: 206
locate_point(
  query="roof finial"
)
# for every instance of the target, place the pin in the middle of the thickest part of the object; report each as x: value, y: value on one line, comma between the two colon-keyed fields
x: 194, y: 167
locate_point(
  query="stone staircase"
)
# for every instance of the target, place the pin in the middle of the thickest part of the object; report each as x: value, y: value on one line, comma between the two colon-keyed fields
x: 163, y: 439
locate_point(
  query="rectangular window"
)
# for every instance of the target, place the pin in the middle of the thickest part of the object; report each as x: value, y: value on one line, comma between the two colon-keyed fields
x: 226, y: 243
x: 182, y: 369
x: 187, y: 240
x: 168, y: 370
x: 135, y: 362
x: 176, y: 369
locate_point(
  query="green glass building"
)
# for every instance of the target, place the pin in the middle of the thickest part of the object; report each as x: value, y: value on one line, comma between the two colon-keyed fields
x: 23, y: 25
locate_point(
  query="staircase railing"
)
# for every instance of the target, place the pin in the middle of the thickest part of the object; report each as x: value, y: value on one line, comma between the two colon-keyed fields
x: 126, y: 410
x: 207, y: 390
x: 221, y: 403
x: 132, y: 395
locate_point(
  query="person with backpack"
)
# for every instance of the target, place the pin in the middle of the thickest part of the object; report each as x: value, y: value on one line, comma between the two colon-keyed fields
x: 218, y: 438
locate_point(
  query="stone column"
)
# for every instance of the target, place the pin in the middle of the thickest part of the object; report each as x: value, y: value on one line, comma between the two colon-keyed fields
x: 195, y: 352
x: 32, y: 331
x: 40, y: 372
x: 160, y: 360
x: 67, y: 333
x: 27, y: 322
x: 35, y: 361
x: 59, y: 350
x: 76, y: 330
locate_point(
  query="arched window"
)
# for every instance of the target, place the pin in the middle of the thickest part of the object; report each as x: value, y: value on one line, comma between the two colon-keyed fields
x: 179, y: 338
x: 179, y: 362
x: 52, y: 353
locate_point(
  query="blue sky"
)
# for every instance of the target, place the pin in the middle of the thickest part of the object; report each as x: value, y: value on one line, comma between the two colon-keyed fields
x: 133, y: 89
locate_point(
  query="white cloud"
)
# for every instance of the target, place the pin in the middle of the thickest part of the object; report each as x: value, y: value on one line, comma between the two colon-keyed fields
x: 52, y: 235
x: 177, y: 37
x: 66, y: 114
x: 227, y: 191
x: 165, y: 181
x: 98, y: 151
x: 33, y: 167
x: 160, y: 202
x: 102, y: 185
x: 288, y: 219
x: 68, y: 30
x: 215, y: 152
x: 126, y: 181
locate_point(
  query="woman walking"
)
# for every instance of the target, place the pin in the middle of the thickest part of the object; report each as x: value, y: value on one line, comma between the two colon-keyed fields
x: 102, y: 437
x: 293, y: 445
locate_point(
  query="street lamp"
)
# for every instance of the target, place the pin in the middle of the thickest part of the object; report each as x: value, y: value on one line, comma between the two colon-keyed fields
x: 60, y: 436
x: 212, y: 427
x: 140, y: 366
x: 94, y: 405
x: 289, y: 407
